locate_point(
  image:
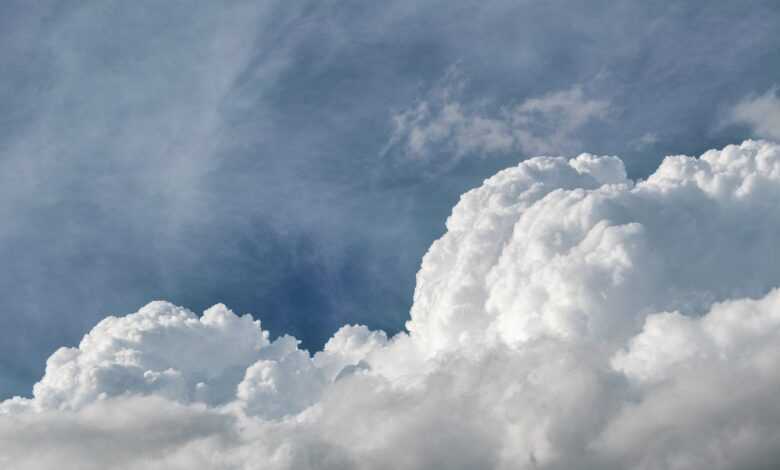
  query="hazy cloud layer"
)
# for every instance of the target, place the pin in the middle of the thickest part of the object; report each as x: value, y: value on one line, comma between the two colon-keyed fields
x: 558, y: 323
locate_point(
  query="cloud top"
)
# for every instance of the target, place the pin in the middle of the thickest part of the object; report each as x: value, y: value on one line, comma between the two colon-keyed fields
x: 569, y: 318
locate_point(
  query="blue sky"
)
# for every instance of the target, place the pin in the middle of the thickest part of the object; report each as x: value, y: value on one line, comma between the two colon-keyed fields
x: 295, y: 160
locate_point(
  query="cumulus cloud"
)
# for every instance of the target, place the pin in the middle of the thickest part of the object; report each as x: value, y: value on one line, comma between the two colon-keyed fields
x: 130, y: 432
x: 569, y: 318
x: 761, y: 113
x: 442, y: 121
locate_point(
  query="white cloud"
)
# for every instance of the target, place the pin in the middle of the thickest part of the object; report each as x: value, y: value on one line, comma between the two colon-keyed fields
x: 444, y: 122
x: 569, y: 318
x: 128, y: 432
x: 648, y: 139
x: 761, y: 113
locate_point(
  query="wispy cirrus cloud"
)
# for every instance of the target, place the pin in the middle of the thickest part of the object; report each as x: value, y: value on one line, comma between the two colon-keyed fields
x: 443, y: 123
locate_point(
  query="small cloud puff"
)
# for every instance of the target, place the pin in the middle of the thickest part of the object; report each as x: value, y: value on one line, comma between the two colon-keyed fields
x: 443, y: 121
x: 569, y: 318
x: 760, y: 112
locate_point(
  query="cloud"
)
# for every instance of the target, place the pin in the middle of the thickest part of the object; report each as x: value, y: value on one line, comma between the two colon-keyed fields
x: 761, y: 113
x: 702, y: 382
x: 442, y: 122
x: 129, y: 432
x: 569, y: 318
x: 229, y: 151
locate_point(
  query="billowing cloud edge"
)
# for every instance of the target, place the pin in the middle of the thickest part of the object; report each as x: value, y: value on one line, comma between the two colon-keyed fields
x: 568, y: 318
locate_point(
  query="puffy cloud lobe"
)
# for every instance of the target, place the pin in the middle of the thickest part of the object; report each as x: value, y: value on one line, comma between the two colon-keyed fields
x: 453, y: 289
x: 572, y: 249
x: 275, y: 388
x: 163, y: 350
x: 569, y: 318
x: 703, y: 383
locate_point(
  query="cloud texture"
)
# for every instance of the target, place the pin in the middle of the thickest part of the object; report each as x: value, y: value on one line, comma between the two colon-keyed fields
x: 569, y: 318
x: 539, y: 125
x: 761, y: 113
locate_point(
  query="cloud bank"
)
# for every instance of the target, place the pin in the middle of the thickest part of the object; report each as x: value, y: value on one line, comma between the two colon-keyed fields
x: 568, y: 318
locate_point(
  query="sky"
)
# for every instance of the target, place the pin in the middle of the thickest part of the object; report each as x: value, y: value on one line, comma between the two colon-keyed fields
x: 295, y: 160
